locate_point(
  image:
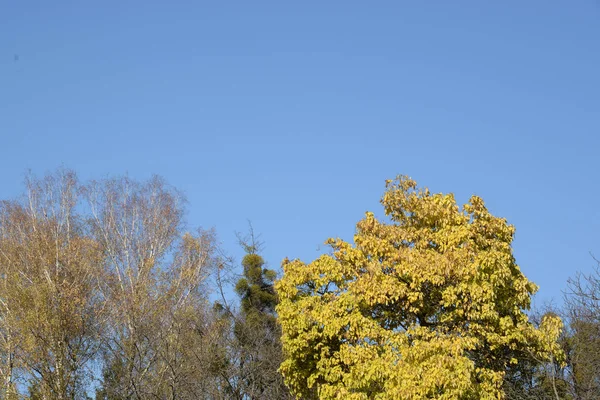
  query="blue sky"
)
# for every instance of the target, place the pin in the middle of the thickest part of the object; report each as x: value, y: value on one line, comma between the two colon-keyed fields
x: 293, y: 114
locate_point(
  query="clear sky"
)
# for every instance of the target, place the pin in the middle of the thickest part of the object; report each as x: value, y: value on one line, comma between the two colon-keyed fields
x: 293, y: 113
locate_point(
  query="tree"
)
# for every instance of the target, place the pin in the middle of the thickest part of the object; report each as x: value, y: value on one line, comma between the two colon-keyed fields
x: 427, y: 305
x: 51, y: 312
x: 104, y: 275
x: 255, y: 287
x: 250, y: 335
x: 155, y: 289
x: 538, y: 379
x: 257, y: 335
x: 583, y: 348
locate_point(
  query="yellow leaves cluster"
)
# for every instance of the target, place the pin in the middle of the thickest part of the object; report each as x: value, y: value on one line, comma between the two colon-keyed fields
x: 429, y: 305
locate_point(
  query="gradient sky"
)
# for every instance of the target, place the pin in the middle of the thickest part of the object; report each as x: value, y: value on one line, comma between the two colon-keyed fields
x: 293, y: 113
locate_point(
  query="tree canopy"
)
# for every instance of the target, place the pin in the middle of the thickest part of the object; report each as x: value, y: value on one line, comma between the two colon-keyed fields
x: 427, y: 303
x: 103, y: 290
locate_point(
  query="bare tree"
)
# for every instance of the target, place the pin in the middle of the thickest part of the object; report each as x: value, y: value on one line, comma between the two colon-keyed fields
x: 583, y: 308
x: 155, y: 287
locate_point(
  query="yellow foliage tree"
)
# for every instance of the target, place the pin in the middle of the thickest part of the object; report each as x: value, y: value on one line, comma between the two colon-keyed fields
x: 429, y: 305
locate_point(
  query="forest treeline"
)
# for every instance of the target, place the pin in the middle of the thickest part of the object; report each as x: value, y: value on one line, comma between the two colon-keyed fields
x: 107, y: 293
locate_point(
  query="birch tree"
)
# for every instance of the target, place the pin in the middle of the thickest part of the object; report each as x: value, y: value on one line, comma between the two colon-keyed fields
x: 51, y: 311
x: 154, y: 287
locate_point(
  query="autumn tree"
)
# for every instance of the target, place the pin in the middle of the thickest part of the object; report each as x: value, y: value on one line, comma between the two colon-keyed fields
x: 106, y: 276
x: 542, y: 379
x: 51, y: 313
x: 428, y: 303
